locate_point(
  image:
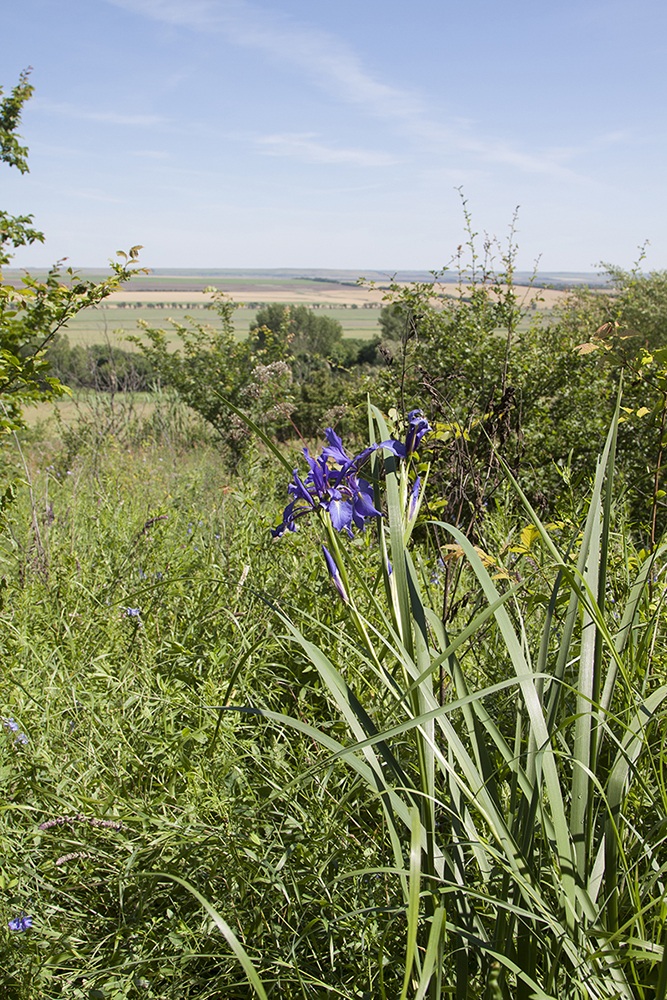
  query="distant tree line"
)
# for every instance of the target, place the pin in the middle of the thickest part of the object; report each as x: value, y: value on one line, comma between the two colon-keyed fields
x: 310, y: 343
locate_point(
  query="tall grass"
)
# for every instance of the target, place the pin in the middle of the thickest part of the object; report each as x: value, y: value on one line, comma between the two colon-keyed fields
x: 527, y: 844
x: 133, y: 799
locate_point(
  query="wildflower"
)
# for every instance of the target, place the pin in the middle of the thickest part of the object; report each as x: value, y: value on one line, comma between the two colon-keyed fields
x: 335, y: 574
x: 347, y: 498
x: 57, y: 821
x: 438, y: 569
x: 335, y: 449
x: 335, y: 452
x: 133, y: 612
x: 418, y: 426
x: 13, y: 727
x: 74, y: 856
x: 22, y: 923
x: 333, y: 483
x: 94, y: 821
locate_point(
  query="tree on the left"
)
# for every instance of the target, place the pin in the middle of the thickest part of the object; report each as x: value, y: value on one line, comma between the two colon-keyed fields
x: 33, y: 312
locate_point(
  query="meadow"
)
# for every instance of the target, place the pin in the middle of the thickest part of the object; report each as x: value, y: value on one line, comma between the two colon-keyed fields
x: 113, y: 323
x: 394, y: 731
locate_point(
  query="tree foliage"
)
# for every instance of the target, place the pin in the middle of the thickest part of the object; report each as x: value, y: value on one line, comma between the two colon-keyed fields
x: 624, y: 330
x: 502, y: 385
x: 211, y: 368
x: 304, y: 330
x: 32, y: 313
x: 293, y: 373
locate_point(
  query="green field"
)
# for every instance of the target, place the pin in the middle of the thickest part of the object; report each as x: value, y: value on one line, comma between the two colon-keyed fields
x: 95, y: 326
x: 82, y: 405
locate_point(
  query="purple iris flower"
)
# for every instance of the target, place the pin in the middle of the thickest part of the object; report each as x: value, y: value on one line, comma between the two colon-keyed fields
x: 335, y: 449
x: 22, y: 923
x: 414, y: 496
x: 362, y: 500
x: 319, y: 472
x: 335, y: 574
x: 336, y: 453
x: 347, y: 499
x: 340, y: 509
x: 418, y: 426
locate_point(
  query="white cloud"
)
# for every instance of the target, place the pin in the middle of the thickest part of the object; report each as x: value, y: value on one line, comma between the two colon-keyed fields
x: 323, y: 56
x: 334, y: 66
x: 305, y: 146
x: 108, y: 117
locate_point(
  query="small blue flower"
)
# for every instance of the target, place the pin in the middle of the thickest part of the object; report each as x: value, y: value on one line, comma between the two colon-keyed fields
x: 22, y: 923
x: 436, y: 574
x: 13, y: 727
x: 133, y: 612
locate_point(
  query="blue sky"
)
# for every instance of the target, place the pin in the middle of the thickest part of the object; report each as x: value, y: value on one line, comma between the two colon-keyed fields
x: 235, y: 133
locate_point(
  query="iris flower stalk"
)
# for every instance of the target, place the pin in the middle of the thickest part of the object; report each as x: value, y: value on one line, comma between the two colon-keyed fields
x: 334, y: 489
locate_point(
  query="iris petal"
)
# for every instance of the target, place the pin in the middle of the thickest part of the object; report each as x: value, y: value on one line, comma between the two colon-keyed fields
x: 396, y: 448
x: 340, y: 512
x: 335, y: 450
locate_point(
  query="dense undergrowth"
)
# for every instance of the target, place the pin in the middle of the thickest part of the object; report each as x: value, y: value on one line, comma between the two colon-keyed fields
x: 154, y: 838
x: 145, y: 604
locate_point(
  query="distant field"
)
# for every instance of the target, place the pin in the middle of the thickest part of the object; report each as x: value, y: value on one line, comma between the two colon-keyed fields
x: 95, y: 326
x: 356, y: 308
x: 85, y: 402
x: 158, y: 297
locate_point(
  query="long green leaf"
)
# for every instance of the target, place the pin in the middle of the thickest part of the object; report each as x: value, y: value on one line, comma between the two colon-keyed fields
x: 225, y: 930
